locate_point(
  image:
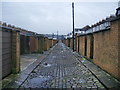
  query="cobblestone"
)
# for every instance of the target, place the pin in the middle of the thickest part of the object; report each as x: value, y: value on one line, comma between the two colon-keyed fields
x: 61, y: 69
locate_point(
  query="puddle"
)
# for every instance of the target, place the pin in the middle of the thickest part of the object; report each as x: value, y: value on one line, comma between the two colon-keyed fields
x: 74, y: 52
x: 46, y: 65
x: 54, y: 56
x: 38, y: 80
x: 73, y: 78
x: 83, y: 61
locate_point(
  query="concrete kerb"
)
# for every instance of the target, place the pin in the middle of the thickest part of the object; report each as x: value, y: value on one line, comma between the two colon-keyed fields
x: 22, y: 76
x: 108, y: 81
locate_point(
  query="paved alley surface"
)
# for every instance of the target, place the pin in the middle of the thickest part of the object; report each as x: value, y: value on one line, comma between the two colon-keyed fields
x: 61, y: 69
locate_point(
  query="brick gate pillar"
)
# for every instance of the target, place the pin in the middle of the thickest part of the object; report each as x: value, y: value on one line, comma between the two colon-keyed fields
x: 15, y: 51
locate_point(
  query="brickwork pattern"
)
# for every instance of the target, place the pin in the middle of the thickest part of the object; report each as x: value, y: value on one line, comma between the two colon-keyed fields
x: 32, y: 44
x: 50, y: 42
x: 15, y: 52
x: 82, y: 45
x: 46, y: 44
x: 36, y: 44
x: 40, y: 44
x: 76, y: 42
x: 71, y: 43
x: 106, y: 49
x: 89, y: 46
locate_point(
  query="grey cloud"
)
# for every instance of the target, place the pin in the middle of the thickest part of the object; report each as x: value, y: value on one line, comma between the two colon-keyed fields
x: 50, y: 17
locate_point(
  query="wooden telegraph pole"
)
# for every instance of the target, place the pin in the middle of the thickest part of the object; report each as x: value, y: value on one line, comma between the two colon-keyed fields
x: 73, y: 24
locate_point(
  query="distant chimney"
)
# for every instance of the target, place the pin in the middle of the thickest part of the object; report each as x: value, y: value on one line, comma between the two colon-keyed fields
x: 97, y: 23
x: 118, y: 9
x: 103, y: 21
x: 92, y: 26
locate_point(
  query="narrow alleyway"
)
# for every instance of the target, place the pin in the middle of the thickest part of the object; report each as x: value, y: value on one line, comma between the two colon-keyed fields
x: 61, y: 69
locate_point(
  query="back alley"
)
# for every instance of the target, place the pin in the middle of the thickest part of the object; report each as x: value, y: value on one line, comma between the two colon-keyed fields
x: 62, y: 69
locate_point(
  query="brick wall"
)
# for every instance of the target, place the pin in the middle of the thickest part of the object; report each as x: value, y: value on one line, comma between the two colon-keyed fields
x: 65, y: 42
x: 22, y: 44
x: 10, y: 51
x: 90, y: 46
x: 68, y: 40
x: 119, y: 48
x: 27, y: 44
x: 71, y: 43
x: 32, y: 44
x: 36, y: 44
x: 15, y: 52
x: 46, y: 43
x: 41, y: 44
x: 50, y: 42
x: 54, y: 42
x: 82, y: 48
x: 106, y: 51
x: 76, y: 42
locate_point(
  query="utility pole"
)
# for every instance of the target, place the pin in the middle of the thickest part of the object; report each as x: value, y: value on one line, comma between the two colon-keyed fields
x: 73, y: 24
x: 57, y: 35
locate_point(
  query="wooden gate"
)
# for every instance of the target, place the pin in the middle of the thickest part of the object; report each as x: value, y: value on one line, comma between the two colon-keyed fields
x: 6, y: 52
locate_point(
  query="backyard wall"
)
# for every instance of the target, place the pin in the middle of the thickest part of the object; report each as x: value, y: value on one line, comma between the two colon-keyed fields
x: 106, y: 49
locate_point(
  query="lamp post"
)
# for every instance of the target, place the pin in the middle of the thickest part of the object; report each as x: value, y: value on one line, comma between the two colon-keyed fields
x: 73, y: 24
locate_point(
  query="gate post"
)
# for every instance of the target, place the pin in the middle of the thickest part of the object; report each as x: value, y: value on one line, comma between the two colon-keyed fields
x: 15, y: 51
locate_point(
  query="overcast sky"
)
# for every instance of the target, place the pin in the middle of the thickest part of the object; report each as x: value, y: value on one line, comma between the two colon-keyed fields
x: 50, y: 17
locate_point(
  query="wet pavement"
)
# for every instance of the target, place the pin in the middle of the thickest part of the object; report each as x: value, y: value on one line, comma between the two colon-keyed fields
x: 62, y: 68
x: 27, y: 59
